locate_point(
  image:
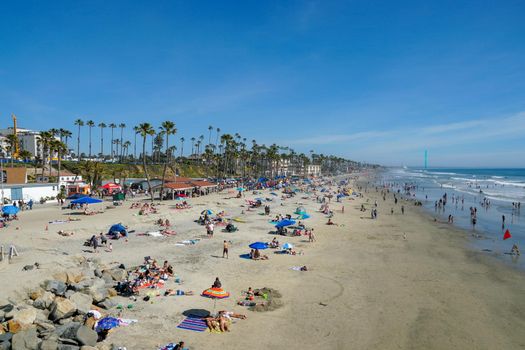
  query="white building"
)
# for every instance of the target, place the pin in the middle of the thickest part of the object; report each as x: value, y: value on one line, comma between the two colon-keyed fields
x: 25, y: 192
x: 28, y: 140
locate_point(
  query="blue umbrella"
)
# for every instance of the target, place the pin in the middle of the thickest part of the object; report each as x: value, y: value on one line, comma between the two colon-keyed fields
x: 259, y: 245
x: 207, y: 211
x: 77, y: 196
x: 10, y: 210
x: 86, y: 200
x: 117, y: 228
x: 287, y: 246
x: 107, y: 323
x: 285, y: 222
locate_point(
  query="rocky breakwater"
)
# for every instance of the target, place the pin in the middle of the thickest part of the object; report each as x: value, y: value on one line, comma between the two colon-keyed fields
x: 53, y: 316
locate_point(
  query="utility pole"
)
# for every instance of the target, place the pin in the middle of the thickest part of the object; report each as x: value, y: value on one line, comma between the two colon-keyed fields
x: 426, y: 159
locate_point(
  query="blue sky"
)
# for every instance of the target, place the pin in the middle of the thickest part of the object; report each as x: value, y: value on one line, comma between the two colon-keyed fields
x: 369, y: 80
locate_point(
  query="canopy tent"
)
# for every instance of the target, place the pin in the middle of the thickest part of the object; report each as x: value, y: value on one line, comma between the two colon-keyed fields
x: 111, y: 186
x: 10, y: 210
x: 86, y: 200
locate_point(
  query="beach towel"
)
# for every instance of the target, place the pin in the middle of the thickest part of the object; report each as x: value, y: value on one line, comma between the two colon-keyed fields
x: 193, y: 323
x: 296, y: 268
x: 149, y: 284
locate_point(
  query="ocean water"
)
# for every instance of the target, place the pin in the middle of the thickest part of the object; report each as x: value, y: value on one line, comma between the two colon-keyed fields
x: 466, y: 188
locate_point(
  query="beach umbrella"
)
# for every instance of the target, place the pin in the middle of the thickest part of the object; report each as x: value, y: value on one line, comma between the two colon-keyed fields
x: 215, y: 293
x: 287, y: 246
x: 259, y: 245
x: 285, y: 222
x: 107, y: 323
x: 117, y: 228
x: 77, y: 196
x: 86, y: 200
x: 207, y: 211
x: 303, y: 216
x: 10, y: 210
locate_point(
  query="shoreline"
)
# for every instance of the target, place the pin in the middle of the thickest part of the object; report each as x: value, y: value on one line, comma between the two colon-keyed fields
x: 366, y: 286
x: 472, y: 242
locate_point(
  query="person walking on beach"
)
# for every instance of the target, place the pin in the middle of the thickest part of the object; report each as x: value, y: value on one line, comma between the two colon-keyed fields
x: 403, y: 209
x: 502, y: 221
x: 311, y: 236
x: 225, y: 250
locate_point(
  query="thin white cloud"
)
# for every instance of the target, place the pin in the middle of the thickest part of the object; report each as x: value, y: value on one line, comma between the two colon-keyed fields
x: 402, y: 145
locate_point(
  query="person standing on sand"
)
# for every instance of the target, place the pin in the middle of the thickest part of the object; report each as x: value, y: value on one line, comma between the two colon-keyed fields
x: 225, y: 250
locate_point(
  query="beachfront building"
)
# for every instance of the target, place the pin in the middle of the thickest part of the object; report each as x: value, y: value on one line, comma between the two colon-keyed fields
x: 28, y: 139
x: 313, y: 170
x: 36, y: 192
x: 184, y: 186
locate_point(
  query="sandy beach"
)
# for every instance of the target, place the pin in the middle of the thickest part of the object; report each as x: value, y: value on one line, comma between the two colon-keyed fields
x: 367, y: 286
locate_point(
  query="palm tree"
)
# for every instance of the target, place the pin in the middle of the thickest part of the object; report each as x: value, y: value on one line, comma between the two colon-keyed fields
x: 102, y: 126
x: 210, y: 128
x: 182, y: 139
x: 90, y: 124
x: 136, y: 130
x: 192, y: 143
x: 168, y: 128
x: 145, y: 130
x: 112, y: 126
x: 79, y: 123
x: 66, y: 134
x: 217, y: 138
x: 59, y: 147
x: 121, y: 126
x: 45, y: 140
x: 126, y: 148
x: 201, y: 138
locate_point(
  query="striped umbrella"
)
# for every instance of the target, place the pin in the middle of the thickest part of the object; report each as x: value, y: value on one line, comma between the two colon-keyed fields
x: 215, y: 293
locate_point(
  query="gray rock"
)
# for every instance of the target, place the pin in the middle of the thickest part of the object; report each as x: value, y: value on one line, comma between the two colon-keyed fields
x: 49, y: 344
x: 68, y: 331
x: 45, y: 327
x: 25, y: 317
x: 69, y: 293
x: 67, y: 347
x: 86, y: 336
x: 45, y: 301
x: 5, y: 345
x: 106, y: 276
x: 98, y: 273
x: 86, y: 347
x: 2, y: 315
x: 107, y: 304
x: 56, y: 287
x: 82, y: 301
x: 118, y: 274
x: 99, y: 294
x: 25, y: 340
x: 7, y: 308
x: 62, y: 308
x: 6, y: 337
